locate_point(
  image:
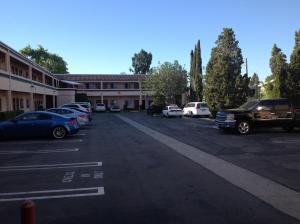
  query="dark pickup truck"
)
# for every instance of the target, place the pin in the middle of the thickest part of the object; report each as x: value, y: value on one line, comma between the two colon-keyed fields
x: 260, y: 113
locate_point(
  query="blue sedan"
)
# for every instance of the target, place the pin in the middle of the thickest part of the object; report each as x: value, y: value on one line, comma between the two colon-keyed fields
x: 34, y: 124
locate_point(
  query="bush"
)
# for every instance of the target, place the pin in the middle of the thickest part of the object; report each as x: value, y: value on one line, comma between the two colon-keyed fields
x: 9, y: 115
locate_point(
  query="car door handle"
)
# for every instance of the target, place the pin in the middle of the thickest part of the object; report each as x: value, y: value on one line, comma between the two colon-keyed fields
x: 289, y: 112
x: 272, y: 113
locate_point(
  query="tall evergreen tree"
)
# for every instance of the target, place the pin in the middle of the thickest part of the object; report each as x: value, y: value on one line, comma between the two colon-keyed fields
x: 294, y: 69
x: 278, y: 67
x: 254, y: 81
x: 223, y: 73
x: 191, y: 78
x: 196, y: 92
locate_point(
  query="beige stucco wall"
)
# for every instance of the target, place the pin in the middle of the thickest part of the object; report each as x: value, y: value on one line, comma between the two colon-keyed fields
x: 65, y: 96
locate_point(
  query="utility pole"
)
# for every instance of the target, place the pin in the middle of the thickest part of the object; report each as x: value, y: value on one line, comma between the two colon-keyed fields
x: 246, y: 66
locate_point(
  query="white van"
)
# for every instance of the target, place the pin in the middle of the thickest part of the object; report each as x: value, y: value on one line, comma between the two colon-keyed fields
x: 194, y: 109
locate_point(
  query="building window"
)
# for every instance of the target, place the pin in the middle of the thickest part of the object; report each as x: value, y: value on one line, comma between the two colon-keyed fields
x: 111, y: 85
x: 136, y: 85
x: 27, y: 103
x: 126, y: 85
x: 87, y: 85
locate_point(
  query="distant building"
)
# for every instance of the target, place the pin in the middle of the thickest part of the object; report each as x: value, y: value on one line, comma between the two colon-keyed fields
x: 24, y: 85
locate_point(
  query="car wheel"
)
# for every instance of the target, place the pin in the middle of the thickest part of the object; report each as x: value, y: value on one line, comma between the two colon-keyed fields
x: 167, y: 115
x: 243, y: 127
x: 59, y: 132
x: 191, y: 114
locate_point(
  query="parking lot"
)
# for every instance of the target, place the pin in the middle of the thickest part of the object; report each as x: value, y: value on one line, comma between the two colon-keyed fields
x: 117, y: 171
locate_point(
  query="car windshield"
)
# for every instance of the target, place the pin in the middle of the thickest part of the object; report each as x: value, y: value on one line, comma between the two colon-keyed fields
x: 174, y: 108
x: 190, y: 105
x: 249, y: 105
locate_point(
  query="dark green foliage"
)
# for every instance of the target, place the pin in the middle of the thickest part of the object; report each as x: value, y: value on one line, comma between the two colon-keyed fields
x: 141, y: 62
x: 196, y: 85
x: 81, y: 97
x: 277, y: 84
x: 52, y: 62
x: 254, y: 81
x: 225, y: 86
x: 9, y: 115
x: 294, y: 68
x: 168, y: 82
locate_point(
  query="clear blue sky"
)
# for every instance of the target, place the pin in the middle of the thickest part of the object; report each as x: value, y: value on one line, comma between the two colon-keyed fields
x: 96, y: 36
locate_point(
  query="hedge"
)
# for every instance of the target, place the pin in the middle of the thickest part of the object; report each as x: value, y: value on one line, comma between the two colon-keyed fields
x: 9, y: 114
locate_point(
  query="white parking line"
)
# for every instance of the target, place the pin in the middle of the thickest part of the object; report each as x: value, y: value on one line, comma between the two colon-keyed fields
x: 97, y: 192
x: 280, y: 197
x: 7, y: 152
x: 49, y: 166
x: 79, y: 134
x: 40, y: 142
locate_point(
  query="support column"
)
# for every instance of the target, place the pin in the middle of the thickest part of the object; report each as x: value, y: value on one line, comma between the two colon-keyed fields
x: 140, y: 100
x: 101, y: 97
x: 44, y: 101
x: 31, y: 102
x: 9, y: 101
x: 9, y: 95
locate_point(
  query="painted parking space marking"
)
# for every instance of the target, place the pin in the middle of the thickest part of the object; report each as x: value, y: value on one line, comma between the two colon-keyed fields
x: 68, y: 177
x: 40, y: 142
x: 285, y: 141
x: 7, y: 152
x: 98, y: 174
x: 49, y: 166
x: 51, y: 194
x: 278, y: 196
x: 80, y: 134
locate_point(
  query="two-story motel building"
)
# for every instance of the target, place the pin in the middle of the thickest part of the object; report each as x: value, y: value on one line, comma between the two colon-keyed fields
x: 24, y: 85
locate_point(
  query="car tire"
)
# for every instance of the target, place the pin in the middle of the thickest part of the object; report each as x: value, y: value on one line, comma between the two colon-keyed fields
x: 243, y: 127
x: 59, y: 132
x: 191, y: 114
x: 167, y: 115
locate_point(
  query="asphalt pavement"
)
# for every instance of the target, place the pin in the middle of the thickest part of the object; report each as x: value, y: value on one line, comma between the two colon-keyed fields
x: 111, y: 172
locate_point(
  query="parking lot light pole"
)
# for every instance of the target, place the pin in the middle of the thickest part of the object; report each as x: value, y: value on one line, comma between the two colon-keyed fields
x: 28, y: 212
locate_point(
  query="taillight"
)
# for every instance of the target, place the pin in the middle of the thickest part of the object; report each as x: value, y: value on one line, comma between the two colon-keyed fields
x: 72, y: 122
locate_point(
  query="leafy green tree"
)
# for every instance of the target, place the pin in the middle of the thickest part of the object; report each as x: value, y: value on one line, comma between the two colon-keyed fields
x: 196, y: 86
x: 276, y: 86
x: 141, y: 62
x: 223, y: 74
x: 168, y: 81
x: 52, y: 62
x: 254, y: 81
x: 294, y: 69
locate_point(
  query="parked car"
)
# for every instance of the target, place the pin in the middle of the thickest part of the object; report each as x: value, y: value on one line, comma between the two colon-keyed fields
x: 260, y: 113
x: 79, y: 108
x: 115, y: 108
x: 172, y: 111
x: 82, y: 117
x: 194, y: 109
x: 154, y: 109
x: 37, y: 124
x: 100, y: 107
x: 86, y: 105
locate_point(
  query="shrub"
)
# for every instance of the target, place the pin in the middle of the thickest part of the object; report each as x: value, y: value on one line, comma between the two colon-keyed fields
x: 9, y: 115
